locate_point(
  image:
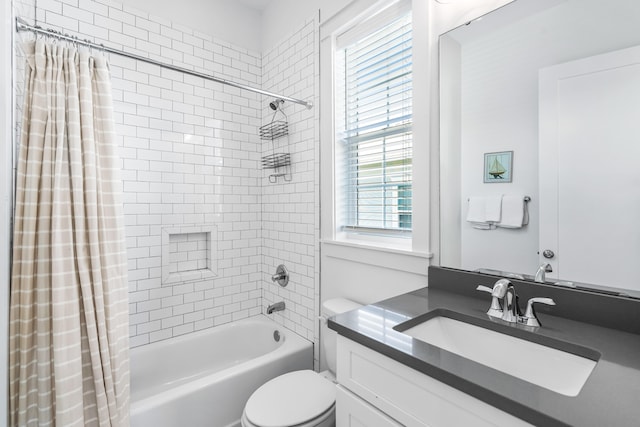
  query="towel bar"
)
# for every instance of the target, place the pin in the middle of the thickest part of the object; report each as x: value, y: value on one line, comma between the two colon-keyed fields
x: 526, y: 199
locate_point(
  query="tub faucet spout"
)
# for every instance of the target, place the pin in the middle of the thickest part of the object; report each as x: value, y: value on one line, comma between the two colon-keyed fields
x: 279, y: 306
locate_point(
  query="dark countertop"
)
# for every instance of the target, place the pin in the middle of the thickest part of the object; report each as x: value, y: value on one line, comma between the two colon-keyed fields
x: 610, y: 397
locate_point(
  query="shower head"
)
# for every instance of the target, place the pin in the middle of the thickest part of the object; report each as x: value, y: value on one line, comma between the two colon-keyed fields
x: 276, y: 103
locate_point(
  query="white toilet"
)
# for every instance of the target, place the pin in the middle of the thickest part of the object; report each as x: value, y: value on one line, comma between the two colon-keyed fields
x: 301, y: 398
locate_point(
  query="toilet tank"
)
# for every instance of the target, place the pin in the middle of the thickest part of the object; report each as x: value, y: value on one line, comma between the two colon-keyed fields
x: 330, y: 308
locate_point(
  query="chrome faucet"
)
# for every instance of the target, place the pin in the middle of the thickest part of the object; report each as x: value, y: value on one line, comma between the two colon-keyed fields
x: 510, y: 308
x: 542, y: 271
x: 497, y: 295
x: 279, y: 306
x: 505, y: 304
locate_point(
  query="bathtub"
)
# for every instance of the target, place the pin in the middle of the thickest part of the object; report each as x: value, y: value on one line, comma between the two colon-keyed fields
x: 205, y: 378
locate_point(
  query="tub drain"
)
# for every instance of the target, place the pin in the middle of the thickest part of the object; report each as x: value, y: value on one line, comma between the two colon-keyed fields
x: 276, y: 335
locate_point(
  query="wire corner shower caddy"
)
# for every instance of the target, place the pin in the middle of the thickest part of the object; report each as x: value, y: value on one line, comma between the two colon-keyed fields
x: 276, y: 129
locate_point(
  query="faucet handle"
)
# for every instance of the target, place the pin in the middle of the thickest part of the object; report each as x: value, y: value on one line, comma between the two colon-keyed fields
x: 281, y: 276
x: 530, y: 318
x: 495, y: 310
x: 484, y: 288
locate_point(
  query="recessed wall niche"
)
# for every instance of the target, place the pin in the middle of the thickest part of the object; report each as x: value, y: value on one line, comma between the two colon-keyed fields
x: 187, y: 253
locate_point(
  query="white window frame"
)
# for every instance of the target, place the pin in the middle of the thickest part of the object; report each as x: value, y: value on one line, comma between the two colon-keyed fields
x: 357, y: 12
x: 378, y: 215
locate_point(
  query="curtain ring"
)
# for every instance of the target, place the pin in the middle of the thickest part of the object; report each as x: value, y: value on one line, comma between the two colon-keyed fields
x: 39, y: 34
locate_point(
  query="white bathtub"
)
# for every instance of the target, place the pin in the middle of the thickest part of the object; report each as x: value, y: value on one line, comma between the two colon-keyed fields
x: 205, y: 378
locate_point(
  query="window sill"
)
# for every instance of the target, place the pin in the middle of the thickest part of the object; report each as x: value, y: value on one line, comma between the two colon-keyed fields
x: 384, y: 242
x: 378, y: 254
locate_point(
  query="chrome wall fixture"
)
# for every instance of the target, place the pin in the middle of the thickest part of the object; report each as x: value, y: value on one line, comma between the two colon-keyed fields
x: 21, y: 25
x: 281, y: 276
x: 279, y: 306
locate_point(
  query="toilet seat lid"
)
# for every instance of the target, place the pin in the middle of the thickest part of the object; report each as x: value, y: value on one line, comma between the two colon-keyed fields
x: 290, y: 399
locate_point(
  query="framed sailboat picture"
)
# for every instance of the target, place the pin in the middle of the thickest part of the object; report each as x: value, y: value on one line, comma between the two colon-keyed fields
x: 498, y: 167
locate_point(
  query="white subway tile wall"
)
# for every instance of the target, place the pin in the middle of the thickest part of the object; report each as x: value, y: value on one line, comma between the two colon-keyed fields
x: 191, y: 158
x: 188, y: 252
x: 290, y: 216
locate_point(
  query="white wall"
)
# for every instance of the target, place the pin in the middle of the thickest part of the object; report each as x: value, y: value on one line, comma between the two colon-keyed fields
x: 247, y: 27
x: 227, y: 20
x: 281, y: 17
x: 367, y: 275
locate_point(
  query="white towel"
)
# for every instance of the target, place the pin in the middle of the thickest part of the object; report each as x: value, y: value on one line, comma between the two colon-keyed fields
x: 514, y: 212
x: 477, y: 210
x: 493, y: 209
x: 481, y: 209
x: 483, y: 226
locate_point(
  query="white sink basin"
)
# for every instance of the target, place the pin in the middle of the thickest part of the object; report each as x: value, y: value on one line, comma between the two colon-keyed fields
x: 547, y: 367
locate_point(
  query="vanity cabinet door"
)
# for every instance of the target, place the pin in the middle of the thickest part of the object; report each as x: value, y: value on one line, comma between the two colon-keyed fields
x: 411, y: 397
x: 351, y: 411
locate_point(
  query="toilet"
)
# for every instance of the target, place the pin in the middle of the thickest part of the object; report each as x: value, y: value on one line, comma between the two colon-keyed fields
x: 301, y: 398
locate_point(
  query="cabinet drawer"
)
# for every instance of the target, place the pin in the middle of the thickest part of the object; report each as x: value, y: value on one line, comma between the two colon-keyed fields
x: 411, y: 397
x: 351, y: 411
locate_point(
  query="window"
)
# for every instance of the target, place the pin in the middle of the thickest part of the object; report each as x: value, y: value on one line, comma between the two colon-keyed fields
x: 374, y: 127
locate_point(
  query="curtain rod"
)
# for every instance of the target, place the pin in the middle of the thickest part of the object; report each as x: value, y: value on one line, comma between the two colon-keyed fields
x: 21, y: 25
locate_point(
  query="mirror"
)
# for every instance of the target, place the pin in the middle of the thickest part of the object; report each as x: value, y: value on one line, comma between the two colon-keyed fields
x: 556, y: 83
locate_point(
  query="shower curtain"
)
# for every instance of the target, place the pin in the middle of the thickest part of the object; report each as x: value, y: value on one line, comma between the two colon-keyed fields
x: 68, y: 361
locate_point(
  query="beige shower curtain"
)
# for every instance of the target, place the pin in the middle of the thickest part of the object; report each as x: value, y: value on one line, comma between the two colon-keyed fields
x: 69, y: 311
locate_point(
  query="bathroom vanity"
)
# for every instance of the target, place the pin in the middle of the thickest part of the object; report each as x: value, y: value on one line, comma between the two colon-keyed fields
x: 388, y: 377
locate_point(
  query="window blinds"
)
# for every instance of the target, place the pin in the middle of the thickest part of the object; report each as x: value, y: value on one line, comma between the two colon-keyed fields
x: 376, y: 129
